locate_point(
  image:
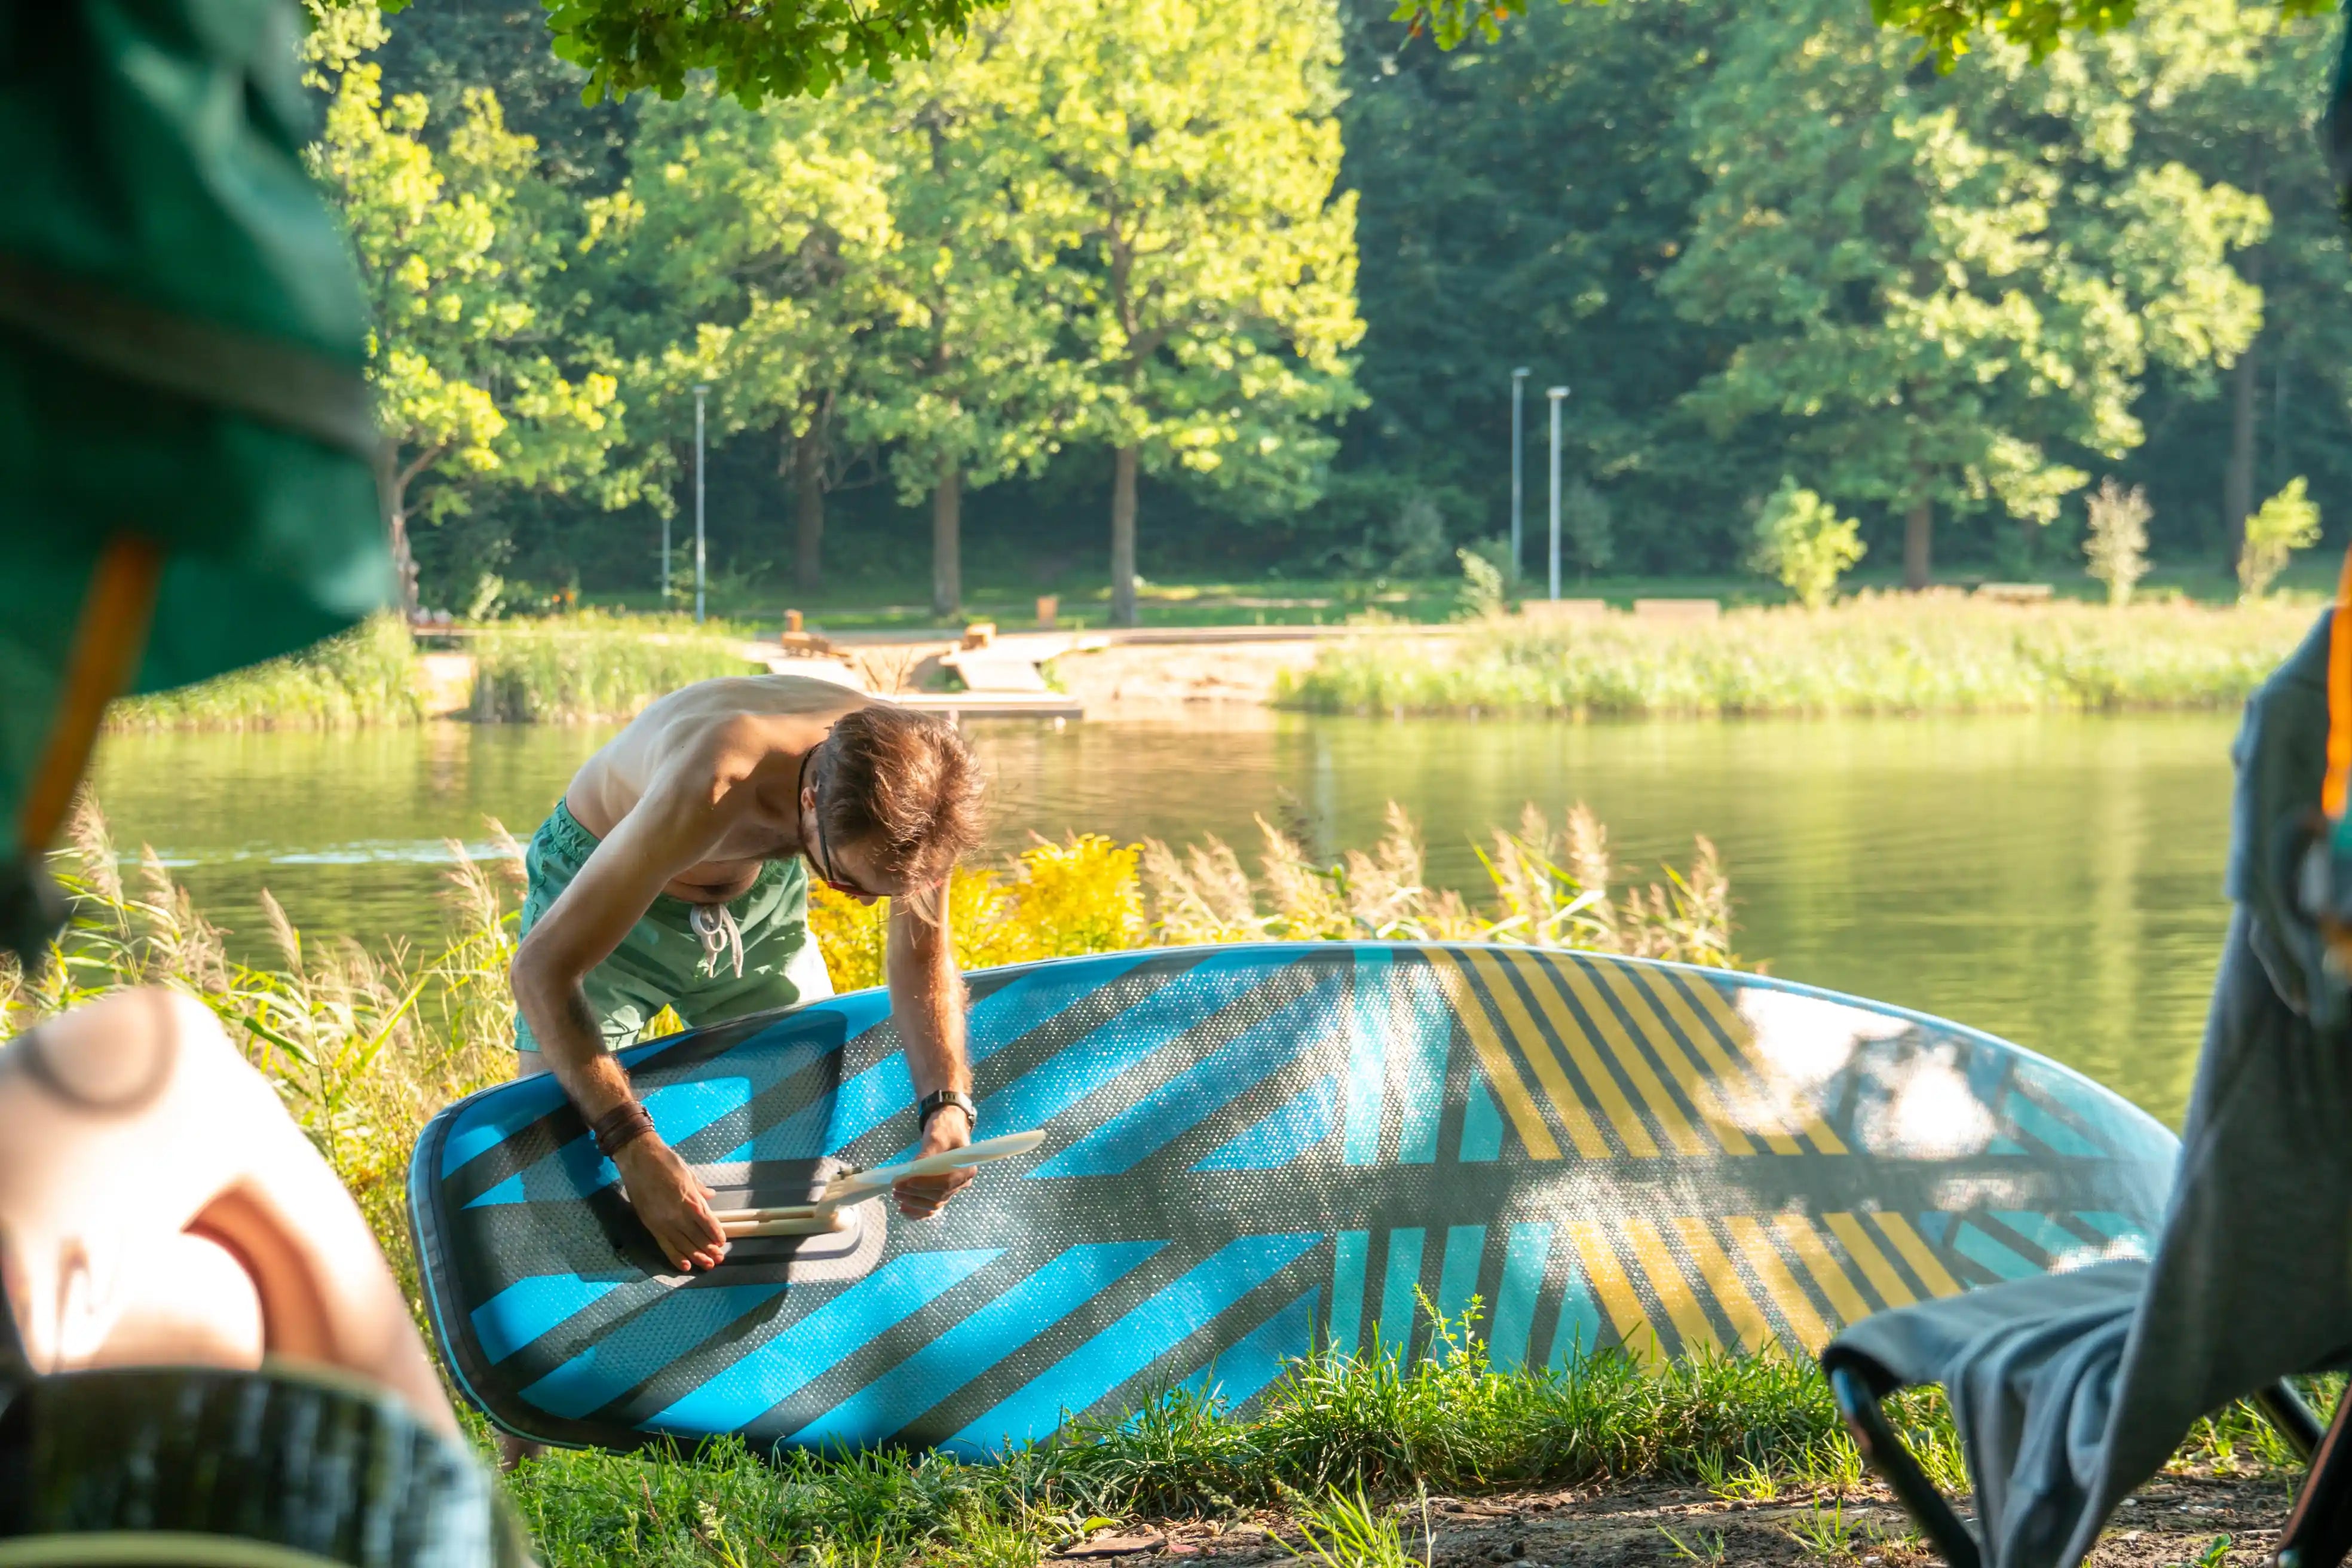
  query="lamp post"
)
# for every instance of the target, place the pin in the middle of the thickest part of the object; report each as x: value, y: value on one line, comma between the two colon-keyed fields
x: 1557, y: 395
x: 1518, y: 464
x: 703, y: 390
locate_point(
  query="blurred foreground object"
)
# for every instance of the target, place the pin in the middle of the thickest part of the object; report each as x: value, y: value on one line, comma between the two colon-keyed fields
x: 186, y: 440
x: 204, y: 1358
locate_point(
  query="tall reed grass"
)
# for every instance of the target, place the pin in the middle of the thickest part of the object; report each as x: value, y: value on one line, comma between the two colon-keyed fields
x: 1873, y: 655
x: 367, y: 676
x: 593, y: 666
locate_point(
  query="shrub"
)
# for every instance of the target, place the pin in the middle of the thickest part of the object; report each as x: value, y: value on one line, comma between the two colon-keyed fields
x: 2287, y: 522
x: 2116, y: 545
x: 1802, y: 543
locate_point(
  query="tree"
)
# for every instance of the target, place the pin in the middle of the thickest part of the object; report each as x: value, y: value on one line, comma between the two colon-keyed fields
x: 1803, y: 544
x: 458, y: 255
x: 2287, y: 522
x: 2116, y: 544
x: 964, y: 386
x: 1207, y: 271
x: 1946, y: 283
x: 1586, y: 518
x: 755, y: 261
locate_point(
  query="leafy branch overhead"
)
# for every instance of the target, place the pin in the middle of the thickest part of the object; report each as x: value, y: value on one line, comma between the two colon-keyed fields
x: 1946, y: 28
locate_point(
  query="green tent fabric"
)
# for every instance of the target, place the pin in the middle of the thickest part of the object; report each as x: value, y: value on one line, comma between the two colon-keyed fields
x: 186, y: 449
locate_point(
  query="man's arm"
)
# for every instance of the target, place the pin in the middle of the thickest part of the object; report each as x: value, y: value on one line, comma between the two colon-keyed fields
x: 675, y: 823
x: 927, y: 1002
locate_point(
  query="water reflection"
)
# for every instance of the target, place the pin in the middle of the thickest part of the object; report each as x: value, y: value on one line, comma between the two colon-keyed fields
x: 2056, y: 881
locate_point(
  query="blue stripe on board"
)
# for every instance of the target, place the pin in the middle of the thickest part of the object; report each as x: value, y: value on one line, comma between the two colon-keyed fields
x: 529, y: 1308
x: 2114, y: 1227
x: 1482, y: 1125
x: 1153, y: 1023
x: 679, y: 1112
x: 1142, y: 1336
x: 1457, y: 1277
x: 1399, y: 1302
x: 492, y: 1120
x: 1199, y: 1091
x: 1034, y: 1000
x: 1935, y: 1225
x: 739, y: 1393
x: 1578, y: 1332
x: 1301, y: 1123
x: 2047, y: 1233
x: 1367, y: 1065
x: 981, y: 1341
x: 1524, y: 1257
x: 1423, y: 1026
x: 1349, y: 1251
x: 642, y: 1346
x: 1977, y: 1248
x: 1236, y: 1374
x: 506, y: 1192
x: 2037, y: 1122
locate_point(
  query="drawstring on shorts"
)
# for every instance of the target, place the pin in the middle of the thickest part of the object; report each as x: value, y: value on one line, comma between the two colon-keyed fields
x: 714, y: 925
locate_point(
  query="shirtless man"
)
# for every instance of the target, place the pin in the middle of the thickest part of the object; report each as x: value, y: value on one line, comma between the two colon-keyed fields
x: 676, y: 871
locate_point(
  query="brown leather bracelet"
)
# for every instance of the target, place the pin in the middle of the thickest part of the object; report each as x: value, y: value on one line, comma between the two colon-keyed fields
x: 620, y: 1127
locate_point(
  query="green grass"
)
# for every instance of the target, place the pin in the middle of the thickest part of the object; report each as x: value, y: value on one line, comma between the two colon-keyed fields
x: 594, y: 666
x: 1873, y: 655
x: 365, y: 677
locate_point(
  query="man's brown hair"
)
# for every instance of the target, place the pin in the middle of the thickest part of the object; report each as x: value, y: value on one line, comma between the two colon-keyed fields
x: 905, y: 787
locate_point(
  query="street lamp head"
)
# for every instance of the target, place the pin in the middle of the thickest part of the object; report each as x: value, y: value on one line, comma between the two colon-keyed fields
x: 1555, y: 393
x: 1520, y: 374
x: 701, y: 388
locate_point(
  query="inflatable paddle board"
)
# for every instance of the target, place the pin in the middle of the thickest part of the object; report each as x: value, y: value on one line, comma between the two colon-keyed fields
x: 1249, y: 1151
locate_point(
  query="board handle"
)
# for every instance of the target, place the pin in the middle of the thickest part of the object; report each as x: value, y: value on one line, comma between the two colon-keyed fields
x: 824, y: 1216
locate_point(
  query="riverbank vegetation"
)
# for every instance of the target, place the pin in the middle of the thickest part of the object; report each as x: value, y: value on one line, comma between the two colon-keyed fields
x: 1875, y: 655
x: 363, y: 1045
x: 586, y: 667
x: 367, y: 676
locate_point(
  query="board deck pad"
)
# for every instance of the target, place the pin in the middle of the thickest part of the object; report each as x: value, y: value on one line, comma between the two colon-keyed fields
x: 1253, y: 1150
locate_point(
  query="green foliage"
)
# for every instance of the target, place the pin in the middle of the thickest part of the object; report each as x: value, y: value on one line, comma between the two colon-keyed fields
x: 458, y: 248
x: 1483, y: 594
x: 1870, y: 654
x: 2117, y: 544
x: 592, y: 667
x: 367, y: 676
x: 1802, y: 543
x: 1589, y: 524
x: 1342, y: 1530
x: 1944, y: 285
x: 2287, y: 522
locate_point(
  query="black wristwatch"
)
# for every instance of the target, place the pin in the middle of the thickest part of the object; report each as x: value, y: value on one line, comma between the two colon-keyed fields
x: 939, y: 1099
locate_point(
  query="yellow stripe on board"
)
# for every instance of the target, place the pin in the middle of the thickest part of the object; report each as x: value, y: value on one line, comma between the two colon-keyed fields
x: 1913, y: 1248
x: 1607, y: 1277
x: 1728, y: 1072
x: 1663, y: 1040
x: 1846, y: 1299
x: 1628, y: 1055
x: 1874, y: 1268
x: 1622, y: 1115
x: 1674, y: 1291
x: 1500, y: 1074
x: 1743, y: 1035
x: 1748, y: 1319
x: 1581, y: 1130
x: 1780, y: 1286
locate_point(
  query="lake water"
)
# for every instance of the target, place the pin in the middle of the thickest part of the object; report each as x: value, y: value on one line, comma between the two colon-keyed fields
x: 2053, y: 880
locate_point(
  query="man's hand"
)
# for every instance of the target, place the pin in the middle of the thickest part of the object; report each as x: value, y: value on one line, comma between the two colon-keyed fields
x: 672, y: 1203
x: 921, y: 1197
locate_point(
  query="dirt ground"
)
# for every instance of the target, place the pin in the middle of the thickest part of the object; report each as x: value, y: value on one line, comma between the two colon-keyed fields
x: 1138, y: 680
x: 2200, y: 1521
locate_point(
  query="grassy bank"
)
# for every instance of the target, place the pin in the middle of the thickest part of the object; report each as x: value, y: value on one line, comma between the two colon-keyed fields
x: 367, y: 676
x: 591, y: 667
x: 1875, y: 655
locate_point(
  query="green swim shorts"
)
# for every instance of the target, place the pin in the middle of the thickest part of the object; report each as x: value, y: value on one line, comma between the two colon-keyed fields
x: 709, y: 961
